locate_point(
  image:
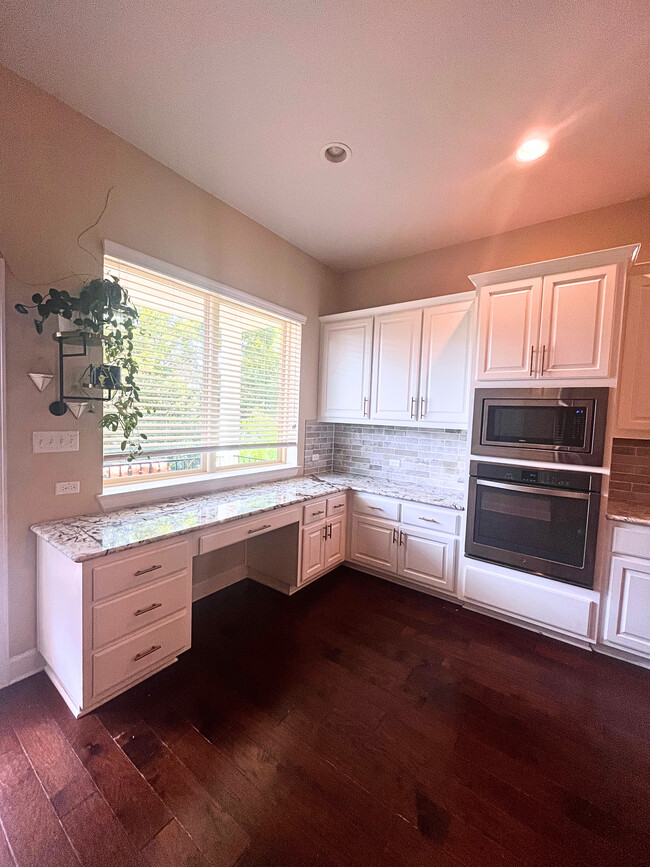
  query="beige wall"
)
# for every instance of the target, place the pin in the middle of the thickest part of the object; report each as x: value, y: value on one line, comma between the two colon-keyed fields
x: 441, y: 272
x: 55, y: 169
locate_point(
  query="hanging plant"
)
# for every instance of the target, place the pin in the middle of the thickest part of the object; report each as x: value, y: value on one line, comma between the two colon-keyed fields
x: 104, y: 310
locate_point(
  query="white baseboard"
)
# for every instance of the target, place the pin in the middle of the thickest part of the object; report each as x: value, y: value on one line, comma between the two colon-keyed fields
x: 25, y: 664
x: 644, y: 662
x: 218, y: 582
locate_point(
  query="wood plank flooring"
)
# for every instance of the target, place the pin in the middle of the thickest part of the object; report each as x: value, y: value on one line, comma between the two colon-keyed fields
x: 356, y: 723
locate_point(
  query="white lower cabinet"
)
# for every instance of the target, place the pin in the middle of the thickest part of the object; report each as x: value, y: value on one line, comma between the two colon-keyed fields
x: 323, y: 544
x: 419, y: 557
x: 626, y: 624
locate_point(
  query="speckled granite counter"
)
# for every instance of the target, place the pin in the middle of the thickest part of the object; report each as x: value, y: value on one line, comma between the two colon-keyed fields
x: 89, y: 536
x: 413, y: 493
x: 629, y: 513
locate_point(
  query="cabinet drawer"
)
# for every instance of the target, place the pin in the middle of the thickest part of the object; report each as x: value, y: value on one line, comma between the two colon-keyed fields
x: 565, y: 611
x: 379, y: 507
x: 133, y: 570
x: 632, y: 540
x: 336, y: 505
x: 242, y: 530
x: 137, y: 610
x: 142, y: 651
x: 431, y: 517
x: 314, y: 511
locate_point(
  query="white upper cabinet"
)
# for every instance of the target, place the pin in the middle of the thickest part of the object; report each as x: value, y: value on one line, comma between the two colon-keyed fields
x: 396, y: 366
x: 346, y: 357
x: 417, y: 356
x: 634, y: 390
x: 445, y: 361
x: 508, y: 328
x: 556, y: 320
x: 577, y: 324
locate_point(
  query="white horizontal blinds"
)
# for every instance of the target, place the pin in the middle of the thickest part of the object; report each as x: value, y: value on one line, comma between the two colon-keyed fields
x: 220, y: 375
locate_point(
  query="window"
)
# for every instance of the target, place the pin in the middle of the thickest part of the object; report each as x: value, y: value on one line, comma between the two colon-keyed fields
x: 221, y: 377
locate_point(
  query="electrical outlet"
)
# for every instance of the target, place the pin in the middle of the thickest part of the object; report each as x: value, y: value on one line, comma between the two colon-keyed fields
x: 55, y: 441
x: 66, y: 488
x: 315, y: 457
x: 394, y: 463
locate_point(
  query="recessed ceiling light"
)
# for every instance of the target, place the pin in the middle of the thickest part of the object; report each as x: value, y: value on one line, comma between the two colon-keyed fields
x: 531, y: 149
x: 336, y: 152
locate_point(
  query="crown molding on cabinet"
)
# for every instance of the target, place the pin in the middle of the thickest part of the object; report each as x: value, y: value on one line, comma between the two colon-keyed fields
x: 403, y: 305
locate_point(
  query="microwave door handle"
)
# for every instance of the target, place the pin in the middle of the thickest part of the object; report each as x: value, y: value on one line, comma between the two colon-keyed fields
x: 529, y: 489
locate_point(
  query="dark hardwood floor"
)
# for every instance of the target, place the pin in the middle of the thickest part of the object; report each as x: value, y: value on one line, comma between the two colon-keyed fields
x: 356, y: 723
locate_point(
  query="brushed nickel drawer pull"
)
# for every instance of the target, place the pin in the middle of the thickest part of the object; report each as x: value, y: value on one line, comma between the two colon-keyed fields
x: 377, y: 508
x: 339, y: 506
x: 422, y: 405
x: 365, y: 407
x: 144, y: 653
x: 149, y: 608
x: 144, y: 571
x: 258, y: 529
x: 413, y: 404
x: 430, y: 520
x: 319, y: 512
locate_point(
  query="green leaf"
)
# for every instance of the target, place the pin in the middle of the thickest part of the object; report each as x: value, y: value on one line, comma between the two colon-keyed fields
x: 36, y: 298
x: 21, y: 308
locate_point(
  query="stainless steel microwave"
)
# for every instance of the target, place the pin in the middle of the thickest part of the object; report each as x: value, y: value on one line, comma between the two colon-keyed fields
x: 562, y: 425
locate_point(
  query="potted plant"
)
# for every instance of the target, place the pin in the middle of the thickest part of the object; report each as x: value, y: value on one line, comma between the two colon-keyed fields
x: 103, y: 310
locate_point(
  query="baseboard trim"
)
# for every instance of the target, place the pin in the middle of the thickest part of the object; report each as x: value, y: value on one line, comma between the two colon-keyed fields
x: 405, y: 582
x: 606, y: 650
x: 25, y: 664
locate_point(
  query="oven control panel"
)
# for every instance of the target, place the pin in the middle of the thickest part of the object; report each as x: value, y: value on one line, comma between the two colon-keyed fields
x: 536, y: 477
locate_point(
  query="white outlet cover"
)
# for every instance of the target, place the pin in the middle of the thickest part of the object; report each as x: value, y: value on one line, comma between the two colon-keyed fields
x: 44, y: 441
x: 315, y: 457
x: 394, y: 463
x: 66, y: 488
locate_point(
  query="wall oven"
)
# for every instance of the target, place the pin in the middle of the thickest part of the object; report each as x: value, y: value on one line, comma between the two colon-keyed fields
x: 561, y: 425
x: 537, y: 520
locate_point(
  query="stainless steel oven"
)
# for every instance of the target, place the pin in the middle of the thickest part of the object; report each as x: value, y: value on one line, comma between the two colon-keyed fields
x: 536, y: 520
x: 561, y: 425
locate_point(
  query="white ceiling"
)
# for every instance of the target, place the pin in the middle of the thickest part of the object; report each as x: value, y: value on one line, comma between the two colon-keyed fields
x: 239, y: 96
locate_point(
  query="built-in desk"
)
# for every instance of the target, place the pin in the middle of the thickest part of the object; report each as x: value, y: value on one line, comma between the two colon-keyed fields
x: 115, y: 590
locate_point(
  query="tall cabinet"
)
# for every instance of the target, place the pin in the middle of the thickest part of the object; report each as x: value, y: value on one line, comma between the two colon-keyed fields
x: 557, y: 320
x: 405, y: 364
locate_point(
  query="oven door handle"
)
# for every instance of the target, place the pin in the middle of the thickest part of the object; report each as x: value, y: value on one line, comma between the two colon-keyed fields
x: 529, y: 489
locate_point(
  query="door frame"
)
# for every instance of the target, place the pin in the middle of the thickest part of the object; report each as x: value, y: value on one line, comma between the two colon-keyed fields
x: 4, y: 552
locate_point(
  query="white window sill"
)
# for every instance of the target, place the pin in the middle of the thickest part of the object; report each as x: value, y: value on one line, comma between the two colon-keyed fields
x: 141, y: 493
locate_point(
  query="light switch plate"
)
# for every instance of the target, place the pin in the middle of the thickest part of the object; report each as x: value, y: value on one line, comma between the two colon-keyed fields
x: 55, y: 441
x: 66, y: 488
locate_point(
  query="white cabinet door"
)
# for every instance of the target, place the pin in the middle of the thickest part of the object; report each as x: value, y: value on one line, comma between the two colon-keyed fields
x: 396, y: 366
x: 313, y: 551
x: 374, y: 543
x: 577, y: 324
x: 628, y: 610
x: 509, y: 316
x: 335, y: 543
x: 634, y: 391
x: 428, y: 558
x: 346, y: 356
x: 444, y: 371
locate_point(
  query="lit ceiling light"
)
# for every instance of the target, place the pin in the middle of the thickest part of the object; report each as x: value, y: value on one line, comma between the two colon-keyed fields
x: 531, y: 149
x: 336, y: 152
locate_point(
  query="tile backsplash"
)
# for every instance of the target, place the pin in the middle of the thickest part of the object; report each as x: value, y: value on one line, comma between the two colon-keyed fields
x: 422, y: 455
x: 630, y: 472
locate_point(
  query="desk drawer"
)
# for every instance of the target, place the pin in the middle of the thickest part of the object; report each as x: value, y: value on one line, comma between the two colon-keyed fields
x: 314, y: 511
x: 244, y: 529
x: 378, y: 507
x: 143, y: 650
x: 432, y: 517
x: 632, y: 540
x: 336, y: 505
x: 137, y: 610
x: 132, y: 570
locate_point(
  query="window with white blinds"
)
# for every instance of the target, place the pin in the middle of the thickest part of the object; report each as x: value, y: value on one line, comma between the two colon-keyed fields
x: 221, y: 378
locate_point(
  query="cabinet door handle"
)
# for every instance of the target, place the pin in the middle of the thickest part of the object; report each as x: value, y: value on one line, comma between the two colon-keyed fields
x: 376, y: 508
x: 325, y: 531
x: 412, y: 407
x: 530, y: 366
x: 259, y: 529
x: 394, y: 536
x: 144, y: 571
x: 401, y: 537
x: 422, y: 406
x: 541, y: 373
x: 144, y: 653
x: 365, y: 407
x: 149, y: 608
x: 330, y: 531
x: 430, y: 520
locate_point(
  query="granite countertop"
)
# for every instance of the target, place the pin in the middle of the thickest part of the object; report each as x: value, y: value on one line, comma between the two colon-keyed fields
x: 413, y: 493
x: 89, y: 536
x: 629, y: 513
